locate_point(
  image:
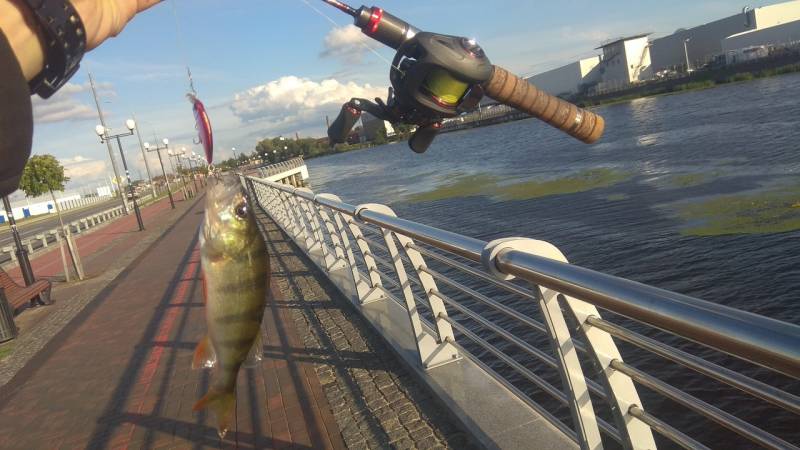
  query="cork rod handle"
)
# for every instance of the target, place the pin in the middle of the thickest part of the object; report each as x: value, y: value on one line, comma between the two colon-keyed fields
x: 513, y: 91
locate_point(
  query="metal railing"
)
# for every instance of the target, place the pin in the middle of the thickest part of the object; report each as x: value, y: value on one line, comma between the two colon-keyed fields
x: 533, y: 321
x: 41, y: 241
x: 283, y: 166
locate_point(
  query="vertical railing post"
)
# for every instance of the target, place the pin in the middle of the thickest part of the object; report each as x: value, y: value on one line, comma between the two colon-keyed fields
x: 375, y: 290
x: 432, y: 352
x: 569, y: 367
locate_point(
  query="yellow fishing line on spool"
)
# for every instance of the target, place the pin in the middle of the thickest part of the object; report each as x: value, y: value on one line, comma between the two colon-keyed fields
x: 445, y: 87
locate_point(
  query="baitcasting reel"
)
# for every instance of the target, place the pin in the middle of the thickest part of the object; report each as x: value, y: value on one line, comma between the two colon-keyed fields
x: 436, y: 76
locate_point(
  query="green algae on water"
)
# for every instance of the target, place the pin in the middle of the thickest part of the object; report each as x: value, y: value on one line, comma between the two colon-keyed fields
x: 462, y: 186
x: 617, y: 197
x: 772, y: 211
x: 489, y: 185
x: 580, y: 182
x: 688, y: 179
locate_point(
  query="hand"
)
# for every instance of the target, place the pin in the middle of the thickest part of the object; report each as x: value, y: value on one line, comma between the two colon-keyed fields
x: 102, y: 19
x: 106, y: 18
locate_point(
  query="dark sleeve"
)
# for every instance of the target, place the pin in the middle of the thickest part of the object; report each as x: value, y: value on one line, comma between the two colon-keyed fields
x: 16, y: 119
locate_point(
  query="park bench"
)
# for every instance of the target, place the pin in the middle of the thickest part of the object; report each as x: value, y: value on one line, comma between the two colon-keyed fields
x: 17, y: 296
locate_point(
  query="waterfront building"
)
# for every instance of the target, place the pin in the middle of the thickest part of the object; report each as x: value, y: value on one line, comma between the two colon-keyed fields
x: 625, y: 61
x: 568, y: 80
x: 701, y: 44
x: 737, y: 45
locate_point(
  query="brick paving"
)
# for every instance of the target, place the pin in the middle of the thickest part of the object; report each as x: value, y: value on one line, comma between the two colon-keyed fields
x: 114, y: 371
x: 105, y: 252
x: 375, y: 400
x: 119, y: 374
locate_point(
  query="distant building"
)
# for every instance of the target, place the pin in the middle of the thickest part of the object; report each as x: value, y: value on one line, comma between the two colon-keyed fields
x: 569, y: 79
x: 625, y: 61
x: 703, y: 43
x: 372, y: 126
x: 777, y: 35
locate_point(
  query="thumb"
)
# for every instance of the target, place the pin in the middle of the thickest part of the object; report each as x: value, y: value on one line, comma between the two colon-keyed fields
x: 145, y: 4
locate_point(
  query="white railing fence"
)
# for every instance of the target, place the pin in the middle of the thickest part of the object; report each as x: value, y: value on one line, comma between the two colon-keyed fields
x: 516, y: 307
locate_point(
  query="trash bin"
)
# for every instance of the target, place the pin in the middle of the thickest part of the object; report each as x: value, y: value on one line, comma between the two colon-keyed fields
x: 8, y: 329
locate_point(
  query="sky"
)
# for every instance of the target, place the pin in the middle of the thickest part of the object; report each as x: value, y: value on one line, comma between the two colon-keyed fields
x: 266, y: 68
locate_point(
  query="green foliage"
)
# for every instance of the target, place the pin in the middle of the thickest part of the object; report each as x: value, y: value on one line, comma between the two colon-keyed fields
x: 380, y: 137
x: 695, y: 85
x: 42, y: 174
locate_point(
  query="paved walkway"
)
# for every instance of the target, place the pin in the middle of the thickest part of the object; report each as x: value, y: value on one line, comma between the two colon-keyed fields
x: 118, y: 374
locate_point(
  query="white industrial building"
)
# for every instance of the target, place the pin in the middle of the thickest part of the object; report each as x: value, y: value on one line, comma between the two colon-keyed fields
x: 568, y: 80
x: 703, y: 43
x: 633, y: 59
x: 625, y: 61
x: 738, y: 44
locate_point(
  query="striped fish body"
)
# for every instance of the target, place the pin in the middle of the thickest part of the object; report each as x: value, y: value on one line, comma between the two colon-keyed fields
x: 235, y: 273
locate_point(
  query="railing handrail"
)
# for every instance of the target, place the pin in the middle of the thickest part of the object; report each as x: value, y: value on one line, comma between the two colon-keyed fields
x: 768, y: 342
x: 347, y: 240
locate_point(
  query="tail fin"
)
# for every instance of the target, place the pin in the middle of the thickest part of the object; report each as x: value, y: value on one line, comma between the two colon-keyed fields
x: 222, y: 404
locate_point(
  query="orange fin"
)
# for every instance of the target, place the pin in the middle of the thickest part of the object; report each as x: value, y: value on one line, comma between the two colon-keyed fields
x: 204, y: 355
x: 221, y: 403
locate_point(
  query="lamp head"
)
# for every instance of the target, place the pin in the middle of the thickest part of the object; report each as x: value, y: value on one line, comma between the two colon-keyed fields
x: 130, y: 124
x: 147, y: 146
x: 100, y: 130
x: 165, y: 141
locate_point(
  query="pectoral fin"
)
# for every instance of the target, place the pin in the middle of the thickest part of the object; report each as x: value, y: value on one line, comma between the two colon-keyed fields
x: 204, y: 355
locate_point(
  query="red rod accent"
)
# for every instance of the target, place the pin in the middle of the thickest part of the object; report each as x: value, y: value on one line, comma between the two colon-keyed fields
x: 375, y: 19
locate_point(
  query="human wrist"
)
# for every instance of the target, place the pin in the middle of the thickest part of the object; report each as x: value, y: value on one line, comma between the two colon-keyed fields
x: 22, y: 31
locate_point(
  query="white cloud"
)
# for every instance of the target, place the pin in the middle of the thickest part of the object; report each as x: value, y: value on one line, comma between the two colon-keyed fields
x: 346, y: 43
x: 293, y: 103
x: 68, y: 104
x: 82, y: 169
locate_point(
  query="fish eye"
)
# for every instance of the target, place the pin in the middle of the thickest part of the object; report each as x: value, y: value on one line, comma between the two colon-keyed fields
x: 241, y: 210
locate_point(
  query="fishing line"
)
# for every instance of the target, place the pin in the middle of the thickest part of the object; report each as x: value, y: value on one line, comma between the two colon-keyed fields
x: 181, y: 47
x: 337, y: 25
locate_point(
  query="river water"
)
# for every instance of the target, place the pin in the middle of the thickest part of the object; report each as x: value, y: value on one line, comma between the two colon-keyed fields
x: 679, y: 176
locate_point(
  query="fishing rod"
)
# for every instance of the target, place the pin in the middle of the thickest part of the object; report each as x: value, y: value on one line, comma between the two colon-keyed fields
x: 436, y: 76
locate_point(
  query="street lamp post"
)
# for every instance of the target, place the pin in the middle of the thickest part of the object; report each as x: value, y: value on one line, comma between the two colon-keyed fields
x: 22, y: 253
x: 178, y: 163
x: 200, y: 162
x: 686, y: 53
x: 146, y: 164
x: 158, y: 149
x: 191, y: 167
x: 110, y: 149
x: 104, y: 137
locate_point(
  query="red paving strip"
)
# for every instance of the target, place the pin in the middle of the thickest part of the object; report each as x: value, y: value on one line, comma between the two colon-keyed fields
x: 149, y: 371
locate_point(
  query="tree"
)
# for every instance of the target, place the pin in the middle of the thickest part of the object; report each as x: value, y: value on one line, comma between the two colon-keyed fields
x: 44, y: 174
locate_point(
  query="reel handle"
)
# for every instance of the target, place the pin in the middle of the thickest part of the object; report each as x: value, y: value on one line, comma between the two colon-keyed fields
x: 513, y: 91
x: 340, y: 128
x: 423, y: 137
